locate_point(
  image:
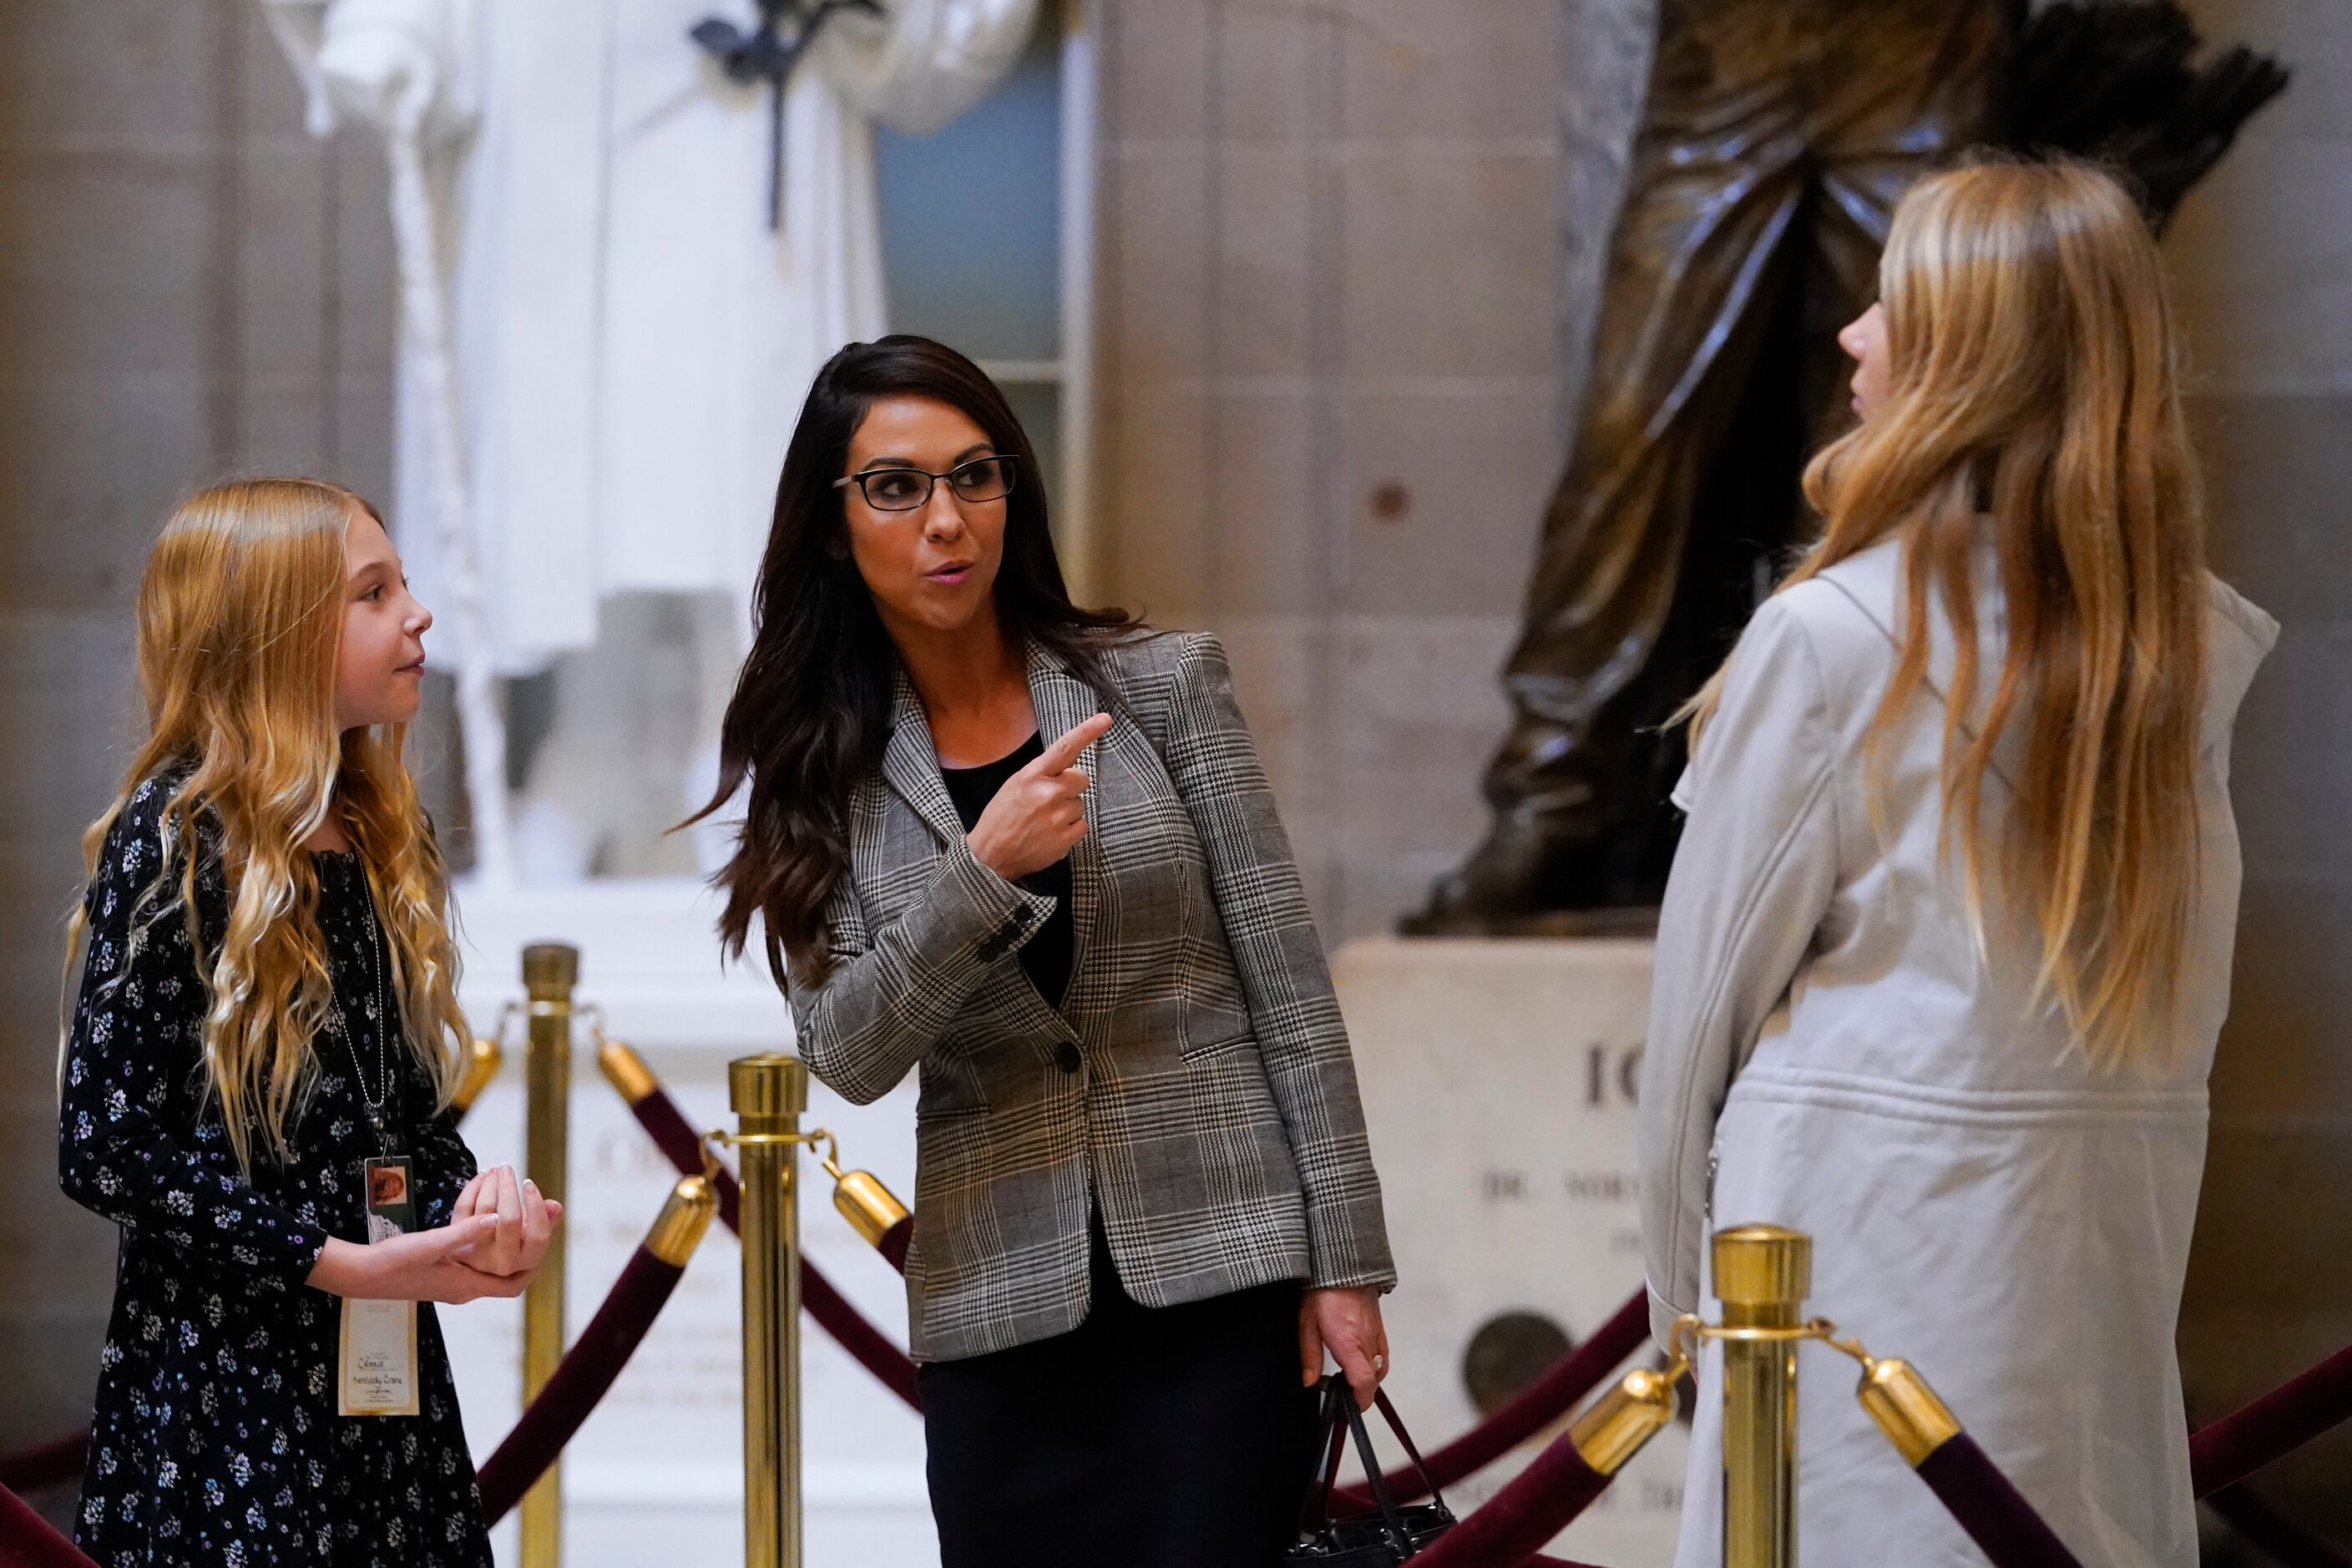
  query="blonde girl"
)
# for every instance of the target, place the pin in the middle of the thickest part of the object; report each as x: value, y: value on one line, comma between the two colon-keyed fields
x: 1947, y: 944
x: 262, y: 1035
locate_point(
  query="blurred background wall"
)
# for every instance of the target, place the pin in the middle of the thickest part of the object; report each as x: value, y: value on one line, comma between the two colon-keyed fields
x: 2264, y: 255
x: 1349, y: 254
x: 1346, y: 256
x: 189, y: 286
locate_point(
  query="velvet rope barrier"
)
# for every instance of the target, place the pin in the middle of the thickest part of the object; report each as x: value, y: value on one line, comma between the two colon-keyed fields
x: 603, y: 1348
x: 893, y: 1244
x: 1983, y: 1502
x: 1573, y: 1470
x: 1562, y: 1482
x: 1533, y: 1409
x: 867, y: 1344
x: 1981, y: 1499
x: 28, y: 1541
x: 2277, y: 1537
x: 2272, y: 1426
x: 1534, y: 1506
x: 676, y: 1139
x: 50, y: 1464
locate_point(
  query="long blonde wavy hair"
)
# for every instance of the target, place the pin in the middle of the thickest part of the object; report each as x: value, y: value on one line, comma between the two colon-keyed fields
x: 240, y: 618
x: 2032, y: 375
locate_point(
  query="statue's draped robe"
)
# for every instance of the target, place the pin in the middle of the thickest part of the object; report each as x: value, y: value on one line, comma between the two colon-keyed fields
x: 631, y: 342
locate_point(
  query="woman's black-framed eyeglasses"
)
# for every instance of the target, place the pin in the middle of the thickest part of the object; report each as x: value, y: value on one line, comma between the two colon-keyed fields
x: 910, y: 489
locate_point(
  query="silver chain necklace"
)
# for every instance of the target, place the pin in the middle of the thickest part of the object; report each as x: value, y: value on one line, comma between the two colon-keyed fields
x: 372, y: 1103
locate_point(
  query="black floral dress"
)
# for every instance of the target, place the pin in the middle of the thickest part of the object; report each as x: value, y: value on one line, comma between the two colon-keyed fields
x: 215, y: 1440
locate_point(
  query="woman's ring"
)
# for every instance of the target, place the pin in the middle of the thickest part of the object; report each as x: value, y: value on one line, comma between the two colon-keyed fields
x: 1380, y: 1364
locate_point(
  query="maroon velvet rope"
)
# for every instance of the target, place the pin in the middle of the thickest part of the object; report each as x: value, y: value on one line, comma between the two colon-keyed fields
x: 2274, y: 1426
x: 28, y: 1541
x: 1982, y: 1502
x: 1533, y: 1505
x: 894, y: 1243
x: 1531, y: 1409
x: 579, y: 1381
x: 668, y: 1127
x: 1559, y: 1486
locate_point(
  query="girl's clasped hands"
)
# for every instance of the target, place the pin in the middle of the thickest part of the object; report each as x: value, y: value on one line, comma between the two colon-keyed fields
x: 498, y: 1233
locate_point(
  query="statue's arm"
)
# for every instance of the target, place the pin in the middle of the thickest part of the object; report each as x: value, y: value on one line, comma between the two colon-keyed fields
x: 915, y: 65
x: 393, y: 64
x: 299, y: 26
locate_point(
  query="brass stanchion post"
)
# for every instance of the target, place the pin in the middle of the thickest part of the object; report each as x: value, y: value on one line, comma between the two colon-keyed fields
x: 768, y: 1094
x: 1762, y: 1273
x: 550, y: 969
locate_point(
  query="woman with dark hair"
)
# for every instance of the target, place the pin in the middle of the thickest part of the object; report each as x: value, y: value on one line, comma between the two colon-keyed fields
x: 1028, y: 850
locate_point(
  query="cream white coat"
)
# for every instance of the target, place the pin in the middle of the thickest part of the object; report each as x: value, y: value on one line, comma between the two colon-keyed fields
x: 1830, y: 1050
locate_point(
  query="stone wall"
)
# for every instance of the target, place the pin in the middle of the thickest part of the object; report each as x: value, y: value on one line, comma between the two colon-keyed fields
x: 2264, y: 259
x: 1338, y: 325
x: 189, y: 286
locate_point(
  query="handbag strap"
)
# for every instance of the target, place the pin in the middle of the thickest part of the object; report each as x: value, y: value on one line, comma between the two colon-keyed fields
x: 1331, y: 1438
x: 1342, y: 1419
x: 1429, y: 1483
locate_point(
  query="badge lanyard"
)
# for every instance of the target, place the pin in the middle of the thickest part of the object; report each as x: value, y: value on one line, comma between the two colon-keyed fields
x: 377, y: 1346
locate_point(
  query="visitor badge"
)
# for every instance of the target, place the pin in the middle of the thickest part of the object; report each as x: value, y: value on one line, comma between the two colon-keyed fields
x: 379, y: 1338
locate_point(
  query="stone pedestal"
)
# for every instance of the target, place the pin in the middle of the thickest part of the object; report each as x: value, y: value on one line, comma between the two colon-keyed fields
x: 1498, y: 1077
x: 655, y: 1475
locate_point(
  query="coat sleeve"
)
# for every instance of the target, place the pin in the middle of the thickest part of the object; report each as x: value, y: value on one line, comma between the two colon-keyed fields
x: 137, y: 1032
x: 891, y: 995
x: 1751, y: 881
x: 1285, y: 980
x: 444, y: 1165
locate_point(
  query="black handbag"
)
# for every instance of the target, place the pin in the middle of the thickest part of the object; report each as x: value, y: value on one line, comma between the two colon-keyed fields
x: 1378, y: 1540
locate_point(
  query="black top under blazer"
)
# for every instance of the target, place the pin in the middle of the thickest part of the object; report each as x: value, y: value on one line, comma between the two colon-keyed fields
x: 1196, y: 1080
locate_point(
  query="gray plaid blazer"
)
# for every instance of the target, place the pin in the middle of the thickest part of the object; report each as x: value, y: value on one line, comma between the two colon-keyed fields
x: 1196, y: 1080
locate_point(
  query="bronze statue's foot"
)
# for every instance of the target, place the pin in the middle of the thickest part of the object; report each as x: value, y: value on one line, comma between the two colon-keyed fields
x: 1528, y: 870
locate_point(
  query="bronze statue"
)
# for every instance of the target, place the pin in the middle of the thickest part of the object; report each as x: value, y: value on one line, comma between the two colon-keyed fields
x: 1777, y: 138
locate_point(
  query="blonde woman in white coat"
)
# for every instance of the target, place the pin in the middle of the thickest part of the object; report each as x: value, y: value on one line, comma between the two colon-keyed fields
x: 1948, y: 942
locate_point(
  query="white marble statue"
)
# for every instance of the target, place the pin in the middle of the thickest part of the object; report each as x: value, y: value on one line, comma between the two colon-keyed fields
x: 605, y: 343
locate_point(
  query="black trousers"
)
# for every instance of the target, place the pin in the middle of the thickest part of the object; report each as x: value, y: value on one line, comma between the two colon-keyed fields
x: 1169, y: 1437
